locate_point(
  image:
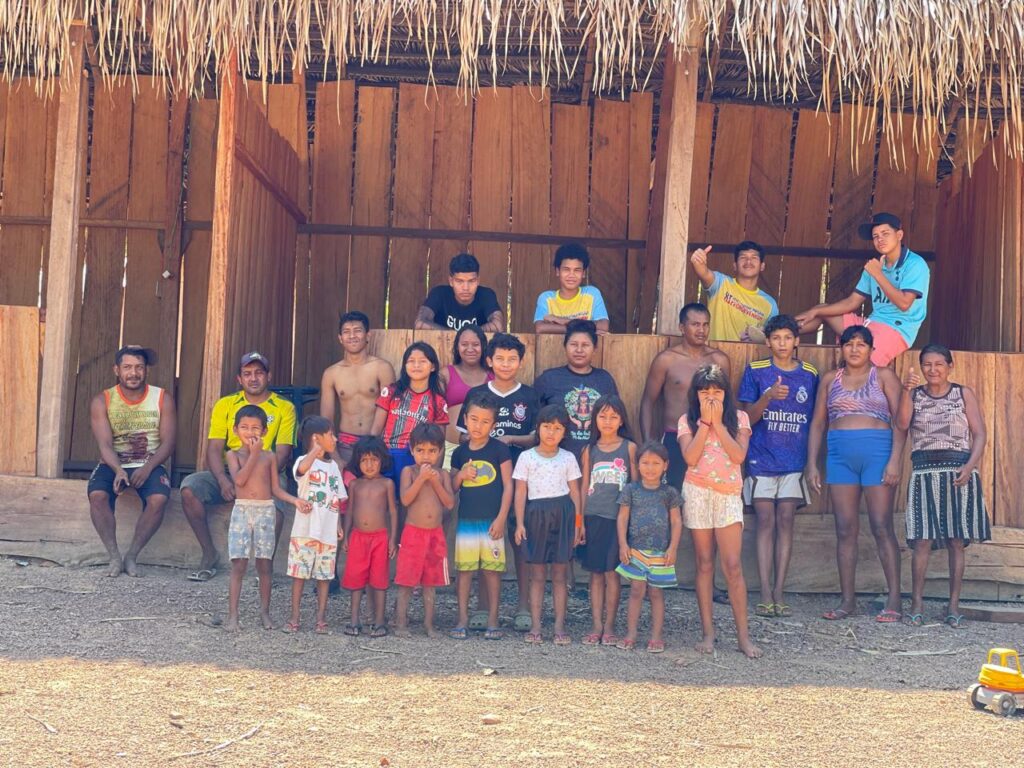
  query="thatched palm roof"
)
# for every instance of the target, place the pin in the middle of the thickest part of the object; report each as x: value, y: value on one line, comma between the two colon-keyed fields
x: 938, y: 58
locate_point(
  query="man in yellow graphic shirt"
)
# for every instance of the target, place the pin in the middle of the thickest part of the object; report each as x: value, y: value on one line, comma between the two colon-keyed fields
x: 739, y: 309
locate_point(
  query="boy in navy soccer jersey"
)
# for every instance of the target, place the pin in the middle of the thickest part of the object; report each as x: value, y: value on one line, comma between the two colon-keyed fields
x: 778, y: 394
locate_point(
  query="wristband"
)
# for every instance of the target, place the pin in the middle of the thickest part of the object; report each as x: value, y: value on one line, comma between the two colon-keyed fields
x: 579, y: 521
x: 705, y: 423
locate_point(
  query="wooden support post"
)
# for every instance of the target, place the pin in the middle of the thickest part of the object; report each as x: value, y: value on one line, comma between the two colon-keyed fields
x: 231, y: 93
x: 69, y: 168
x: 670, y: 201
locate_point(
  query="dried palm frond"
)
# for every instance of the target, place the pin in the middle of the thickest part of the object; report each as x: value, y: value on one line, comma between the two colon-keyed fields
x: 893, y: 55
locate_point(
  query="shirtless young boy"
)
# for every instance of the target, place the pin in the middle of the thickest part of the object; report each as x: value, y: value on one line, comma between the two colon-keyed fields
x: 355, y: 382
x: 668, y: 380
x: 251, y: 531
x: 423, y: 550
x: 369, y: 537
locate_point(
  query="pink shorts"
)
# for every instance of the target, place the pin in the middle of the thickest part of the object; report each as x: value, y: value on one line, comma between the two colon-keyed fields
x: 889, y: 343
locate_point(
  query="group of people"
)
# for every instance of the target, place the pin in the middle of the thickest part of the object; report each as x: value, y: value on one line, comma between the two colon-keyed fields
x: 554, y: 472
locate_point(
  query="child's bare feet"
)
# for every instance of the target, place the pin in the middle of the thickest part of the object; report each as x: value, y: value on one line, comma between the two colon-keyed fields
x: 402, y: 630
x: 706, y: 645
x: 432, y: 633
x: 130, y: 566
x: 268, y: 623
x: 115, y: 567
x: 750, y: 650
x: 232, y: 625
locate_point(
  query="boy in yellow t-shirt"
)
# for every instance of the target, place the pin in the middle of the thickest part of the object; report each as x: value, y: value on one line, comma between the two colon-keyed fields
x: 739, y: 309
x: 572, y: 300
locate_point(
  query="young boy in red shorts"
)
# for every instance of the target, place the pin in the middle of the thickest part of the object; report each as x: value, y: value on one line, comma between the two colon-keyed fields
x: 369, y: 537
x: 426, y: 492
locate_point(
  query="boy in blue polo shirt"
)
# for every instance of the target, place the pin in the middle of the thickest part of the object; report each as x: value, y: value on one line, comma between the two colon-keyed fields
x: 778, y: 394
x: 897, y: 285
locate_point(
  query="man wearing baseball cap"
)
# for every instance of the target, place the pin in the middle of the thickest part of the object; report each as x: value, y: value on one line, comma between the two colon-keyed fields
x: 897, y: 285
x: 214, y: 486
x: 134, y: 427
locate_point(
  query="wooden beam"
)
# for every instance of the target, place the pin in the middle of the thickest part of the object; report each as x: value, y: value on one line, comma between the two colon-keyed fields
x: 69, y: 168
x: 170, y: 237
x: 226, y: 167
x: 265, y: 178
x: 673, y: 162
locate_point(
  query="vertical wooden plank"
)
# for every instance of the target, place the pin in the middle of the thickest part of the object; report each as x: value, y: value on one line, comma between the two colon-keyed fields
x: 609, y: 203
x: 897, y: 171
x: 372, y: 200
x: 625, y: 356
x: 730, y: 181
x: 531, y: 199
x: 286, y: 111
x: 226, y: 168
x: 570, y: 173
x: 767, y: 191
x: 70, y: 168
x: 25, y: 163
x: 103, y: 294
x: 414, y: 161
x: 670, y: 202
x: 491, y: 192
x: 332, y: 202
x: 449, y: 190
x: 813, y: 160
x: 641, y: 273
x: 146, y: 202
x: 195, y: 278
x: 19, y: 388
x: 700, y: 183
x: 920, y: 234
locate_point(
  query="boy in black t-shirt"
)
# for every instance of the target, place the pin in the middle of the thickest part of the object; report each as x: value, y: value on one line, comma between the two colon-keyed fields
x: 482, y: 473
x: 462, y: 302
x: 518, y: 405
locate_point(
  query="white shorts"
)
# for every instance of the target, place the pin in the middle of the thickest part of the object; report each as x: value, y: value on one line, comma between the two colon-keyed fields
x: 791, y: 487
x: 706, y: 508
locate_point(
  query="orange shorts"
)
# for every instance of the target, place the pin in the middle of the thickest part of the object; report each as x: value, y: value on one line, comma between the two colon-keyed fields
x: 889, y: 343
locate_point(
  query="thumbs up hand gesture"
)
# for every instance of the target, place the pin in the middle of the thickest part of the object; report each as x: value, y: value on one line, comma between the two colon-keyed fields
x: 911, y: 380
x: 699, y: 258
x: 779, y: 390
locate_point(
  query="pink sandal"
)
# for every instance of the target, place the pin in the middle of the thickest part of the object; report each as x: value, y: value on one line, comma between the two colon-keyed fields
x: 626, y: 645
x: 592, y: 639
x: 533, y: 638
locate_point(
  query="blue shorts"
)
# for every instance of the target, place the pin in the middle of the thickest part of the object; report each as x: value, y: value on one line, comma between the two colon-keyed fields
x: 400, y: 459
x: 857, y: 456
x: 102, y: 479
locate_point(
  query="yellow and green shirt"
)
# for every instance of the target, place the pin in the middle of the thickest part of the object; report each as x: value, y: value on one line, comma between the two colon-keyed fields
x: 733, y: 308
x: 280, y: 421
x: 587, y: 304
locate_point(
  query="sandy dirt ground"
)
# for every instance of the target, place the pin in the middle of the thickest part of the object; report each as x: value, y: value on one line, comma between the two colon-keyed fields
x: 112, y: 672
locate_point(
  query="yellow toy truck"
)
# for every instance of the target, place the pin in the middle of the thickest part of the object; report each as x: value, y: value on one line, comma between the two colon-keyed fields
x: 1000, y: 683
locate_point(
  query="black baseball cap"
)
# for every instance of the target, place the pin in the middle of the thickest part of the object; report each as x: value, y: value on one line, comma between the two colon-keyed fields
x: 254, y: 357
x: 147, y: 354
x: 864, y: 230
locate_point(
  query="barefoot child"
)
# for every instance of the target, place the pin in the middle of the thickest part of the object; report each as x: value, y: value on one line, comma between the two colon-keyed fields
x: 416, y: 398
x: 778, y: 394
x: 313, y: 546
x: 423, y: 550
x: 609, y: 464
x: 549, y: 521
x: 649, y: 527
x: 369, y: 532
x: 713, y: 437
x: 482, y: 473
x: 251, y: 530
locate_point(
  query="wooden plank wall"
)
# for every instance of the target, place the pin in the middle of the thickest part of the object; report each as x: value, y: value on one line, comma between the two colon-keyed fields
x: 807, y: 179
x: 507, y: 161
x: 119, y: 300
x: 19, y: 386
x: 980, y: 246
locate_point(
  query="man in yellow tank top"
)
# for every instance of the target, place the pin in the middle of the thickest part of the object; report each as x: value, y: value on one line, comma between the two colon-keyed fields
x: 134, y: 426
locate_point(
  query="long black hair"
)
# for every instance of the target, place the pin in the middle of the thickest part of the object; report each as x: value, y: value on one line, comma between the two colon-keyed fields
x: 615, y: 403
x: 481, y: 337
x: 706, y: 377
x: 434, y: 383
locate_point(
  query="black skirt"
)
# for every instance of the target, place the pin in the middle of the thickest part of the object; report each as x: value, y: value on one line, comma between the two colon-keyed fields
x: 550, y: 530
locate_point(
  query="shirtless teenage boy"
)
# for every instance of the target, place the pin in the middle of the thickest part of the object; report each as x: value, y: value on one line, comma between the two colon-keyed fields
x: 355, y: 382
x: 423, y: 551
x: 669, y: 380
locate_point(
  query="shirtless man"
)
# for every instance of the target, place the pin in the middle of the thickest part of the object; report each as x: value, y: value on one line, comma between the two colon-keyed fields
x: 355, y: 382
x: 669, y: 379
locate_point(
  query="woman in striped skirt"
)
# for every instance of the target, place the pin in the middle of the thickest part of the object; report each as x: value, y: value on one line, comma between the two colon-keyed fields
x: 944, y: 503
